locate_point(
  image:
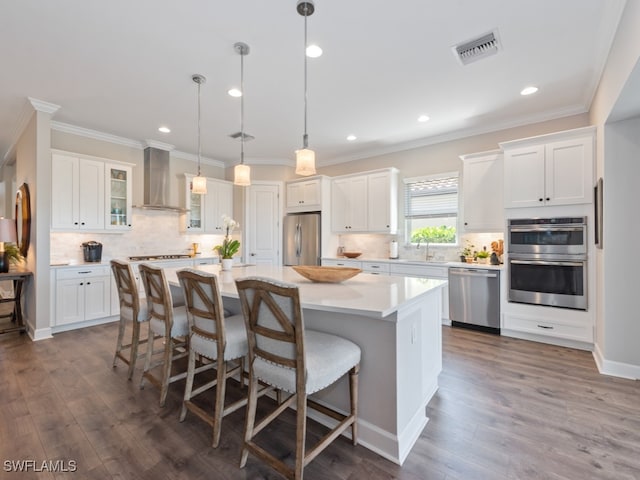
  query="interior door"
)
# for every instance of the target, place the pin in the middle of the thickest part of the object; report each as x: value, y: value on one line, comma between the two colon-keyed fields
x: 263, y: 214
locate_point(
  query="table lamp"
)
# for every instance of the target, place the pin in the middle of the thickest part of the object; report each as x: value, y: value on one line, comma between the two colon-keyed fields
x: 7, y: 234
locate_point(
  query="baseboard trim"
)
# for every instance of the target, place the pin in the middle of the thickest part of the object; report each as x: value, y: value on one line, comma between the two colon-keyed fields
x: 613, y: 368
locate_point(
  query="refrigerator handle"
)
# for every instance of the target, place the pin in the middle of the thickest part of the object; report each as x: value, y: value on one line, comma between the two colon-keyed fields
x: 298, y: 239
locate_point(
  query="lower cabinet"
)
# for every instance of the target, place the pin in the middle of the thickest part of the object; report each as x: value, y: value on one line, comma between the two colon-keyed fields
x: 81, y: 295
x: 426, y: 271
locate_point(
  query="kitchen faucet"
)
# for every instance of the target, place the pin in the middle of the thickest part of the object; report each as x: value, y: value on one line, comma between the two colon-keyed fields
x: 427, y: 256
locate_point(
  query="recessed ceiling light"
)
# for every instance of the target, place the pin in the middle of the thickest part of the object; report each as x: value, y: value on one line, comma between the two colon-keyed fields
x: 528, y: 90
x: 313, y: 51
x: 423, y: 118
x: 235, y: 92
x: 351, y: 138
x: 164, y: 129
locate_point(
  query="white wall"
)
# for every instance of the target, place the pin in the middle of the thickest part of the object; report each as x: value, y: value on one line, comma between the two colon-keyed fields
x: 614, y: 323
x: 621, y: 342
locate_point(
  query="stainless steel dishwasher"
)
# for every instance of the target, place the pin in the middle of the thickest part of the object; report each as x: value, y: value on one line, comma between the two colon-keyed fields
x: 474, y: 298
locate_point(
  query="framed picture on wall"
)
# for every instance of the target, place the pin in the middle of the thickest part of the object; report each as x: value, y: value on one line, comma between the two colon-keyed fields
x: 597, y: 206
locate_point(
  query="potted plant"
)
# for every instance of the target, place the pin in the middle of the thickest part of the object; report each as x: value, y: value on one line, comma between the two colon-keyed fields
x: 12, y: 253
x: 466, y: 254
x: 229, y: 246
x: 483, y: 256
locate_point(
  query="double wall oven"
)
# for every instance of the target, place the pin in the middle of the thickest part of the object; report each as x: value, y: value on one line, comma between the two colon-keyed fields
x: 548, y: 261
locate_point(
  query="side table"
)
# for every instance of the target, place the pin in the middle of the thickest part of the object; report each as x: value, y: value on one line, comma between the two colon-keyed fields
x: 17, y: 323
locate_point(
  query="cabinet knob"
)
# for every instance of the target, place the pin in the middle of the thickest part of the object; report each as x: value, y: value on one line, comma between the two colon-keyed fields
x: 540, y: 199
x: 75, y: 223
x: 548, y: 199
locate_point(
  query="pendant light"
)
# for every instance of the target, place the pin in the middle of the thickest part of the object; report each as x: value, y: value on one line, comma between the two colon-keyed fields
x: 305, y: 158
x: 199, y: 183
x: 242, y: 172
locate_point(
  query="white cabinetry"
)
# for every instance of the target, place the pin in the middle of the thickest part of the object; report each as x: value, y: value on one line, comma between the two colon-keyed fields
x: 554, y: 169
x: 306, y: 195
x: 349, y: 204
x: 118, y: 194
x: 77, y: 193
x: 365, y: 203
x: 205, y: 211
x: 482, y: 187
x: 82, y: 294
x: 426, y: 271
x: 334, y: 262
x: 382, y: 208
x: 375, y: 268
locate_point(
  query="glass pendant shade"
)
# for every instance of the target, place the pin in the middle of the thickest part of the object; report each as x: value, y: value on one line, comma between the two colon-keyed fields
x: 199, y: 185
x: 242, y: 175
x: 305, y: 162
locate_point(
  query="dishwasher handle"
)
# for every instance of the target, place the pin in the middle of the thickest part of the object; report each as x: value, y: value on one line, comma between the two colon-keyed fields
x: 472, y: 272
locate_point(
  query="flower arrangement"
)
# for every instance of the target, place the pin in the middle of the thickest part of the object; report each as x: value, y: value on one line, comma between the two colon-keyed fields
x: 229, y: 247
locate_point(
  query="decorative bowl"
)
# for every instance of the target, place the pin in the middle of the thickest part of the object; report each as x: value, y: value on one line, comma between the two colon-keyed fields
x: 352, y: 254
x: 326, y: 274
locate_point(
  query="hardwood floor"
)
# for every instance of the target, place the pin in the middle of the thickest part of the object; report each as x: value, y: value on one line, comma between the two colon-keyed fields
x: 506, y: 409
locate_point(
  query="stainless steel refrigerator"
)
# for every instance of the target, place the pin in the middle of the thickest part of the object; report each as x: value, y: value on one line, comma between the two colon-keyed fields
x: 302, y: 239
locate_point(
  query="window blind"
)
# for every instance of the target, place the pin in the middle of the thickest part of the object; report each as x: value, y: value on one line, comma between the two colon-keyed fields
x: 431, y: 197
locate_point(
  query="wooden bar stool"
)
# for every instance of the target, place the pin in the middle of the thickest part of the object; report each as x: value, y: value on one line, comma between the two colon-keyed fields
x: 301, y: 362
x: 223, y: 340
x: 132, y: 311
x: 166, y: 322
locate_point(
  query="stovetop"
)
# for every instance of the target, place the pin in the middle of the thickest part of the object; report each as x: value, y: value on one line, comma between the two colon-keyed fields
x: 169, y: 256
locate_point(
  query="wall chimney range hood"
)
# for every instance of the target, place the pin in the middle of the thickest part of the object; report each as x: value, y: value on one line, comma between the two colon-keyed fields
x: 157, y: 181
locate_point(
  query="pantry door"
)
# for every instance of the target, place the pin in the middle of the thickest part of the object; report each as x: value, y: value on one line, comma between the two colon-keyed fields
x: 263, y: 217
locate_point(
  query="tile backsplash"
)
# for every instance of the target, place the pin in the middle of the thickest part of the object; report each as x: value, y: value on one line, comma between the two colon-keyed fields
x: 156, y: 232
x: 377, y: 246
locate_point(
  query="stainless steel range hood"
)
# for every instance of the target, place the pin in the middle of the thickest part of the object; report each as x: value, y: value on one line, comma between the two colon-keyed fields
x: 157, y: 181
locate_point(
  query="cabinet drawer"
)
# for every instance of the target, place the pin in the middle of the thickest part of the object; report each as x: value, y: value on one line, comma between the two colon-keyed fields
x: 419, y: 271
x: 375, y: 267
x: 342, y: 263
x: 71, y: 273
x: 572, y: 330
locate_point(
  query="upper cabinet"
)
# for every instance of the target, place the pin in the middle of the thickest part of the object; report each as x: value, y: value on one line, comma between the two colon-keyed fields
x: 205, y: 211
x: 306, y: 195
x: 118, y: 194
x: 365, y: 203
x: 382, y: 201
x: 84, y: 195
x: 482, y: 185
x: 554, y: 169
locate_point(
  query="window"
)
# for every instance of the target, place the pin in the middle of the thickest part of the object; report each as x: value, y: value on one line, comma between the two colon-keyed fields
x: 431, y: 208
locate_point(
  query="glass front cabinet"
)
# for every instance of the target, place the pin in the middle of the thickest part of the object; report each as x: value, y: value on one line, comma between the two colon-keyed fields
x: 118, y: 190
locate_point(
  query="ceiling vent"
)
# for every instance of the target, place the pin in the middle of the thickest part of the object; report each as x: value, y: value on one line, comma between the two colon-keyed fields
x: 237, y: 135
x: 478, y: 48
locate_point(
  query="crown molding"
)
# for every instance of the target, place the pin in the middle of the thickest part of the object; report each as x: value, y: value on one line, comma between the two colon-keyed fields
x: 96, y: 135
x: 194, y: 158
x: 42, y: 106
x: 30, y: 106
x: 159, y: 145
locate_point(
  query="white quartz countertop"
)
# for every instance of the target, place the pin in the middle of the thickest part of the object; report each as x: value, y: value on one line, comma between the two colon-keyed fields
x: 403, y: 261
x: 376, y: 296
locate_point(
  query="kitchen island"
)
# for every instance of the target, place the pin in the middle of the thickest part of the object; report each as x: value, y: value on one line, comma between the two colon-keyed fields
x: 396, y: 323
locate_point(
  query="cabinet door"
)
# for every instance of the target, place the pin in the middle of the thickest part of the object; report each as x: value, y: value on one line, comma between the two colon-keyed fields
x: 194, y: 220
x: 382, y: 206
x: 64, y: 197
x: 294, y: 195
x: 97, y: 297
x: 524, y: 177
x: 217, y: 202
x: 118, y: 194
x: 482, y: 198
x: 339, y: 205
x: 69, y: 301
x: 569, y: 172
x: 91, y: 194
x: 358, y: 203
